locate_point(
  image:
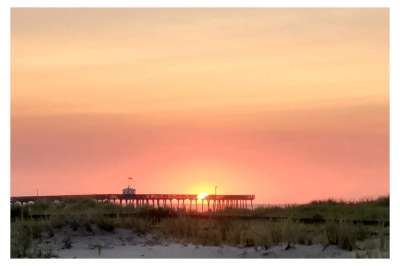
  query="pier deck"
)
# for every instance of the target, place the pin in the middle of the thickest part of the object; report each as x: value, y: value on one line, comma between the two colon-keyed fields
x: 217, y: 202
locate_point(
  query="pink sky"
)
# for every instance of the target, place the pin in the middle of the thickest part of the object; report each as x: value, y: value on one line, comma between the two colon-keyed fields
x: 288, y: 104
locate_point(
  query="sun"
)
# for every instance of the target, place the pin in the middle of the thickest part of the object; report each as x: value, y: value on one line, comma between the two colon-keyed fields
x: 202, y: 195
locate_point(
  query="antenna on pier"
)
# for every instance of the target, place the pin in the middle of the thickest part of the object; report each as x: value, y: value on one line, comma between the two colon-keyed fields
x: 130, y: 180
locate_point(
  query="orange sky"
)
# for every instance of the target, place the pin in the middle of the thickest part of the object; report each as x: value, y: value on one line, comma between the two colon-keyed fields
x: 287, y: 104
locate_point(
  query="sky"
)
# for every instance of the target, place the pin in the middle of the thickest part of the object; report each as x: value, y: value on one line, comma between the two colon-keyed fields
x: 288, y: 104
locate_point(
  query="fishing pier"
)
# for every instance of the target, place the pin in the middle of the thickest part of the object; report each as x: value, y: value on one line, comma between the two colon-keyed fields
x: 179, y: 201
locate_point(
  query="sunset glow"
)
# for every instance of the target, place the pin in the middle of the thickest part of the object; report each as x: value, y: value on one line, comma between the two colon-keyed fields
x: 202, y: 195
x: 288, y: 104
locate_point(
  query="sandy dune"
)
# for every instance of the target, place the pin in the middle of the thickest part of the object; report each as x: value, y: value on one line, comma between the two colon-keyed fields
x: 191, y: 251
x: 125, y: 244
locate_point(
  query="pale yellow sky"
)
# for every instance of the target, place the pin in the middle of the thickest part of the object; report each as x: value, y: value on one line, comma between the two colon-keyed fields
x: 121, y: 60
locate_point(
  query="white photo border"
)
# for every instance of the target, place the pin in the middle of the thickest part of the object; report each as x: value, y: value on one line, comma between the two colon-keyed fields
x: 5, y: 107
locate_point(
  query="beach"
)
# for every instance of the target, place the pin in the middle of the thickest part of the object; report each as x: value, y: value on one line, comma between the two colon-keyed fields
x: 123, y: 243
x: 84, y: 228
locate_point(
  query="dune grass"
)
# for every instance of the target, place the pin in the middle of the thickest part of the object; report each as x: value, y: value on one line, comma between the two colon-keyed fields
x: 41, y: 220
x: 367, y: 209
x: 266, y: 233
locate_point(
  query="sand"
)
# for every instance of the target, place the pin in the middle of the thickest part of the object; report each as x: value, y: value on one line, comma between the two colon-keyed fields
x: 190, y: 251
x: 126, y: 244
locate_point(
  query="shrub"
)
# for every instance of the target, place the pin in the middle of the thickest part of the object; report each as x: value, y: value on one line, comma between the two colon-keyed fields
x: 45, y: 251
x: 21, y: 240
x: 105, y: 224
x: 73, y: 223
x: 276, y: 234
x: 139, y: 225
x: 67, y: 242
x: 331, y: 230
x: 343, y: 235
x: 57, y: 221
x: 361, y: 233
x: 15, y: 211
x: 88, y: 227
x: 36, y: 228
